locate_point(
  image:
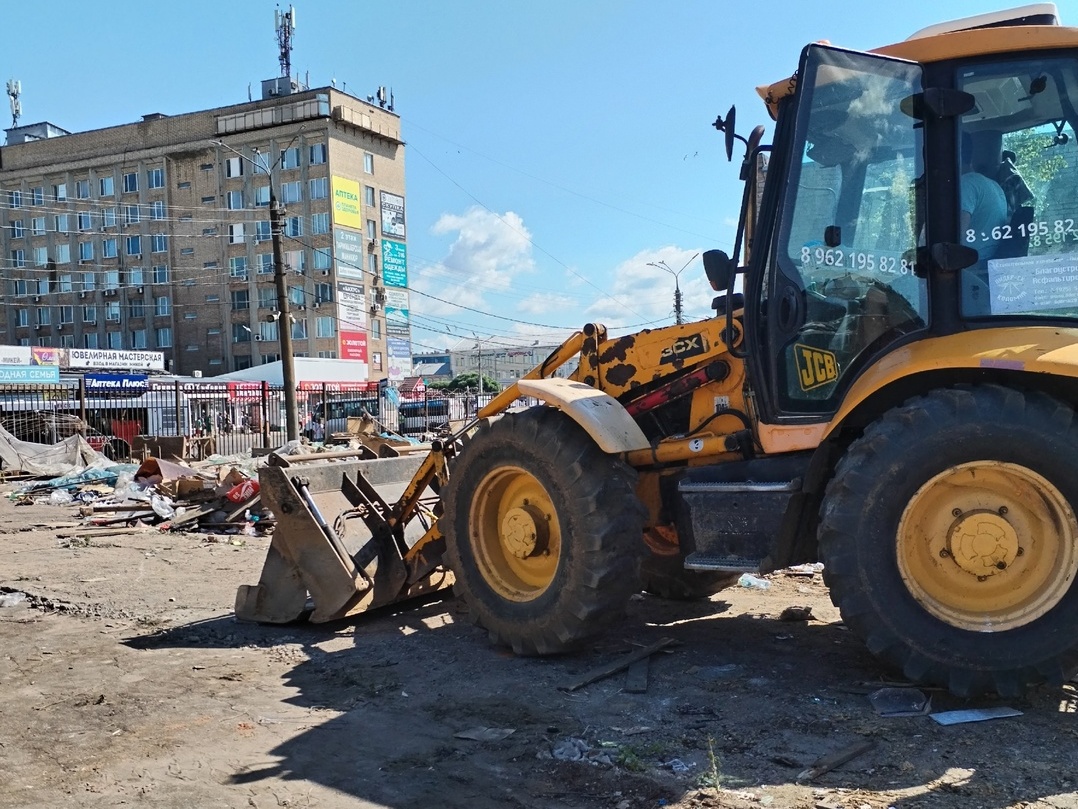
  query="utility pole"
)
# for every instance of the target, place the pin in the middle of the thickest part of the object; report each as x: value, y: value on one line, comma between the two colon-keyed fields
x: 677, y: 286
x: 284, y: 323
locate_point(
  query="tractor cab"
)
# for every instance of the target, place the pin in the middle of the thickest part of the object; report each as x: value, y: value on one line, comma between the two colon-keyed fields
x: 924, y: 190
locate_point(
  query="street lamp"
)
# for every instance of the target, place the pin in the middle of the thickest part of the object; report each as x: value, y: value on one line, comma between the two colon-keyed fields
x: 284, y: 330
x: 677, y: 288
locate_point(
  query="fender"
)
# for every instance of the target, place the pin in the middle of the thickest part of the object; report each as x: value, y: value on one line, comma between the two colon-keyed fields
x: 601, y: 416
x: 1030, y: 349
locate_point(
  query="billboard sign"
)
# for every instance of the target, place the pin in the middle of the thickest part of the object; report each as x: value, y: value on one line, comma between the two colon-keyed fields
x: 399, y: 354
x: 352, y: 322
x: 14, y: 355
x: 111, y: 383
x: 397, y: 316
x: 122, y: 360
x: 29, y: 373
x: 392, y: 215
x: 346, y: 209
x: 348, y: 253
x: 394, y: 263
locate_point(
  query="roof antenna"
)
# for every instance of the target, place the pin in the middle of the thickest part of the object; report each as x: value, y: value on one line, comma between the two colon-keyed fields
x: 285, y: 23
x: 14, y: 89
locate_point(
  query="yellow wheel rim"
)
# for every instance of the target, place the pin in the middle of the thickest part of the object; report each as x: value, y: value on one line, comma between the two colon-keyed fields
x: 515, y: 533
x: 988, y: 546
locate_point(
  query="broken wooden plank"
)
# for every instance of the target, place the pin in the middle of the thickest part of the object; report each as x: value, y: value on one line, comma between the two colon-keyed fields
x: 192, y: 514
x: 836, y: 759
x: 102, y: 532
x: 636, y: 678
x: 608, y: 669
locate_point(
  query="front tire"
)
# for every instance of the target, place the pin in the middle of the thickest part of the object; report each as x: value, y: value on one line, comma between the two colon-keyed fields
x: 543, y: 530
x: 950, y: 543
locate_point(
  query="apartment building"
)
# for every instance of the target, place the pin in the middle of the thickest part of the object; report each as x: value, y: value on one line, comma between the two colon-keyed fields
x: 156, y: 234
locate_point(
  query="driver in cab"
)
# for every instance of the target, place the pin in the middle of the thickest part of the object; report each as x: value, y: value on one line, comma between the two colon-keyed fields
x: 984, y: 205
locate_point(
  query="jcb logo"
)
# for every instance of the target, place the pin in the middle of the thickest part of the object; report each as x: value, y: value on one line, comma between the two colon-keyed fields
x: 815, y: 367
x: 683, y: 348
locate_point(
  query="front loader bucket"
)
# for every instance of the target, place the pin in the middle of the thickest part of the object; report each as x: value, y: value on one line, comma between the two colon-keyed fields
x: 338, y: 547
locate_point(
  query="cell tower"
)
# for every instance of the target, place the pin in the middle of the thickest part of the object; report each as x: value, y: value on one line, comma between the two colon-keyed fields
x: 14, y: 89
x: 285, y: 23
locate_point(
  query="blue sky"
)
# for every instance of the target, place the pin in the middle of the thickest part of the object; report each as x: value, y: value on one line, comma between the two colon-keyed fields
x: 554, y: 149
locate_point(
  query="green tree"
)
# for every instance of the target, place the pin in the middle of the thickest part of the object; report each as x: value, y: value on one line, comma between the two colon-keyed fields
x: 470, y: 381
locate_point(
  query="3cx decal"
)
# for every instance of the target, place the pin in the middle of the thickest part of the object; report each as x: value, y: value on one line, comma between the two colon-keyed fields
x: 815, y: 367
x: 684, y: 347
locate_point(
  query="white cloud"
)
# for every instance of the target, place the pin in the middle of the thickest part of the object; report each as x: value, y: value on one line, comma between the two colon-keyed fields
x: 642, y: 293
x: 488, y: 252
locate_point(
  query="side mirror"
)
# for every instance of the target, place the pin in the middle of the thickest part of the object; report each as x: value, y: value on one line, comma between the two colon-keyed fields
x: 719, y: 268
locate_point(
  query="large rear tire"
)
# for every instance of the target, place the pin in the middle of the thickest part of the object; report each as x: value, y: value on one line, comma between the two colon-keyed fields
x: 543, y: 532
x: 950, y: 540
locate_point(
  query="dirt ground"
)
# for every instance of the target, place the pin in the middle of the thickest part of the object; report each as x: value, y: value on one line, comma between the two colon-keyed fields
x: 125, y: 679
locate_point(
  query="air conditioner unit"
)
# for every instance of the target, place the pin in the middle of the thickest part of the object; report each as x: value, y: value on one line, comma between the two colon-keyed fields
x: 258, y: 338
x: 374, y: 308
x: 82, y: 294
x: 140, y: 290
x: 37, y: 327
x: 315, y: 305
x: 370, y: 246
x: 109, y: 293
x: 325, y: 272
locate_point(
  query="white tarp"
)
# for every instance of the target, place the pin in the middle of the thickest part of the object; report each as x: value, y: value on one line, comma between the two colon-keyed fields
x: 70, y: 455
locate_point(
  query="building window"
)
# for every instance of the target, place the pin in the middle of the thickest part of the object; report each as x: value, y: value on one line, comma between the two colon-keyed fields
x: 22, y: 317
x: 376, y: 360
x: 160, y: 274
x: 327, y: 355
x: 241, y: 299
x: 372, y: 229
x: 63, y: 223
x: 290, y: 158
x: 323, y: 293
x: 209, y: 200
x: 89, y: 339
x: 262, y: 231
x: 322, y: 259
x: 264, y: 262
x: 368, y: 163
x: 134, y: 276
x: 186, y: 184
x: 37, y: 195
x: 89, y: 314
x: 157, y: 209
x: 108, y: 217
x: 368, y: 196
x: 14, y: 199
x: 134, y: 245
x: 115, y: 339
x: 262, y: 196
x: 293, y: 227
x: 319, y: 188
x: 237, y: 267
x: 136, y: 308
x: 376, y: 328
x: 206, y: 167
x: 37, y: 226
x: 63, y: 253
x: 291, y: 192
x: 67, y: 315
x: 324, y: 327
x: 17, y: 229
x: 187, y: 251
x: 234, y: 167
x: 162, y: 306
x: 41, y: 256
x: 85, y: 220
x: 318, y: 154
x: 130, y: 182
x: 106, y: 187
x: 89, y: 281
x: 86, y: 251
x: 241, y: 333
x: 112, y: 279
x: 155, y: 178
x: 131, y: 214
x: 42, y: 286
x: 59, y: 192
x: 267, y: 298
x: 164, y: 337
x: 159, y: 243
x: 82, y: 189
x: 296, y: 260
x: 297, y: 296
x: 108, y: 248
x: 299, y: 329
x: 235, y: 233
x: 372, y: 264
x: 234, y: 200
x: 268, y: 331
x: 44, y: 316
x: 138, y: 339
x: 319, y: 223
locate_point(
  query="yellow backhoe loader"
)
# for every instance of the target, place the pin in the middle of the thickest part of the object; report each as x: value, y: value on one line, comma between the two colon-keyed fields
x: 892, y: 391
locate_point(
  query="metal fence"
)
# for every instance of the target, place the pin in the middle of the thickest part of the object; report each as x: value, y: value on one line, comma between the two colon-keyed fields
x: 213, y: 418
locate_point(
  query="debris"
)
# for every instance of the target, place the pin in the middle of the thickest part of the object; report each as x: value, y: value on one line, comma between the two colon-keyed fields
x: 678, y: 766
x: 60, y: 497
x: 900, y: 702
x: 484, y: 734
x: 836, y: 759
x: 753, y: 582
x: 12, y: 599
x: 974, y: 715
x: 618, y: 665
x: 807, y: 571
x: 796, y: 614
x: 636, y: 678
x: 571, y: 749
